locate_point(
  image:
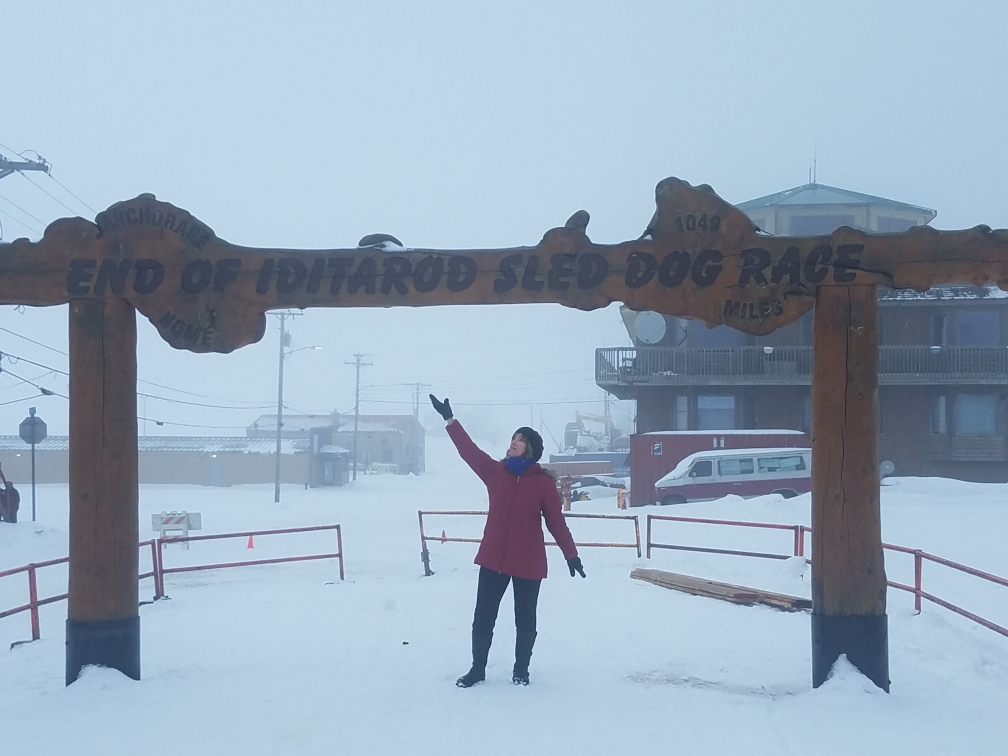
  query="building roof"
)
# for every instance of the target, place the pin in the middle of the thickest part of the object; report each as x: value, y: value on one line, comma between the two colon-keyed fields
x: 291, y: 423
x: 366, y: 426
x: 295, y: 423
x: 811, y: 195
x: 339, y: 451
x: 944, y: 293
x: 204, y: 444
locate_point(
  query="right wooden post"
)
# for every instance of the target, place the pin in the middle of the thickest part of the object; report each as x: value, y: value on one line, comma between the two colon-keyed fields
x: 848, y: 570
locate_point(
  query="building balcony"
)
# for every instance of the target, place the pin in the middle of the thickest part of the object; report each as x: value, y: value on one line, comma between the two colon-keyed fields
x: 620, y: 369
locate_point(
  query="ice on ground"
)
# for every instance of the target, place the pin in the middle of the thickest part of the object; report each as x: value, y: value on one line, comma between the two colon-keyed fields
x: 288, y: 659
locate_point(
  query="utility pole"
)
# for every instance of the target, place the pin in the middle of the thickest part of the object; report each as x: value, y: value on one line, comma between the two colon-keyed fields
x: 357, y: 363
x: 285, y: 342
x: 7, y: 167
x: 417, y: 387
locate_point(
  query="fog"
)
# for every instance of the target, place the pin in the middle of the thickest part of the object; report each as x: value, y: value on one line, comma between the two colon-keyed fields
x: 465, y: 125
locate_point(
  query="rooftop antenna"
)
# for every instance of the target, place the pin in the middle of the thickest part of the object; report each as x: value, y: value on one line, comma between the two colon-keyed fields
x: 815, y: 160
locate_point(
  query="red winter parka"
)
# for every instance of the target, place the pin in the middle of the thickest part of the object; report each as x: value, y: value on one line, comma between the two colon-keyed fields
x: 513, y: 538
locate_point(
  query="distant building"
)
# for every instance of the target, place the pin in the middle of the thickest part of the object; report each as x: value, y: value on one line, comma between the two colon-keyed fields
x: 199, y: 460
x: 943, y: 362
x: 395, y: 443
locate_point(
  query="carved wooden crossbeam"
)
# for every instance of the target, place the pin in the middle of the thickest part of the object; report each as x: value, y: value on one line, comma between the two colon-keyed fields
x: 700, y: 257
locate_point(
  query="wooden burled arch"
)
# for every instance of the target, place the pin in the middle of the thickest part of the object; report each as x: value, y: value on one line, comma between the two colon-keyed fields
x: 700, y: 258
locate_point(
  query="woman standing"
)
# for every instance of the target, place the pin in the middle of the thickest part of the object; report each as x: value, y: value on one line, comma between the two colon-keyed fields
x: 513, y: 550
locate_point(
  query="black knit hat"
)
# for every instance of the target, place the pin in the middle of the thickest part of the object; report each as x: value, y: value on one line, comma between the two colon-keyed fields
x: 534, y: 441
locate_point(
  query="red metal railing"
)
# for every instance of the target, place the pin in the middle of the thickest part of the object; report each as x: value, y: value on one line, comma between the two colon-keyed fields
x: 799, y: 550
x: 158, y: 570
x: 338, y: 554
x: 798, y: 530
x: 34, y: 602
x: 425, y: 554
x: 919, y: 558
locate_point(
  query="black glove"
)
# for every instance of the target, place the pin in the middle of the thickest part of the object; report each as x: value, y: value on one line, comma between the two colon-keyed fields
x: 443, y: 408
x: 574, y: 565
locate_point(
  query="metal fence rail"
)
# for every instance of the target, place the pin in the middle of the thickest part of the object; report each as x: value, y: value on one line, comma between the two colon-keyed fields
x: 424, y: 538
x: 34, y: 602
x: 798, y: 550
x: 787, y: 365
x: 337, y: 555
x: 158, y: 570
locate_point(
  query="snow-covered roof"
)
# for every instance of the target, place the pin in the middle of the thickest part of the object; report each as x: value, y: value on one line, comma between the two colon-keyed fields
x: 811, y: 195
x: 333, y: 449
x: 726, y: 432
x: 204, y: 444
x: 944, y: 293
x: 291, y: 422
x: 366, y: 426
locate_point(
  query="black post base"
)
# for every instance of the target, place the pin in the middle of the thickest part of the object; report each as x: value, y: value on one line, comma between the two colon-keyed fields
x: 109, y: 643
x: 865, y: 640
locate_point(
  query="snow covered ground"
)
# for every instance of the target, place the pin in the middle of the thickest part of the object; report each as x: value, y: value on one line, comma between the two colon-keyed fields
x: 287, y: 659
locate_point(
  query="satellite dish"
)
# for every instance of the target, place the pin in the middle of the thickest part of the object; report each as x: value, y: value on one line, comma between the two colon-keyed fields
x: 649, y: 327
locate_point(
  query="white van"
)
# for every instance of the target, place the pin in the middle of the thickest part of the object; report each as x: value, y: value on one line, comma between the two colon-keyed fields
x: 744, y: 472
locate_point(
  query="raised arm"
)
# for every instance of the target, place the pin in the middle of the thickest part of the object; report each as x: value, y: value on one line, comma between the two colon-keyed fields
x: 481, y: 463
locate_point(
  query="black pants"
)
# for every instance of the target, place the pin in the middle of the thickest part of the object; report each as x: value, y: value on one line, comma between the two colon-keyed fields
x: 488, y: 597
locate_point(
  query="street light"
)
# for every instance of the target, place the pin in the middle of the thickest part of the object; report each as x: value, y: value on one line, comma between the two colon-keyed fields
x: 285, y: 342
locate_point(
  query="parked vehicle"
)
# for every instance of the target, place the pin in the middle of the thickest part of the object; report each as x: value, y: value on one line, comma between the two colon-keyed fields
x: 744, y: 472
x: 652, y: 455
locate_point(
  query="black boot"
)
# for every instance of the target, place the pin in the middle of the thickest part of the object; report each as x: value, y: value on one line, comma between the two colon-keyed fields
x: 523, y: 655
x: 480, y: 651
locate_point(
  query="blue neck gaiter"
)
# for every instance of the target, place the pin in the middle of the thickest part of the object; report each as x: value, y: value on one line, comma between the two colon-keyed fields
x: 518, y: 465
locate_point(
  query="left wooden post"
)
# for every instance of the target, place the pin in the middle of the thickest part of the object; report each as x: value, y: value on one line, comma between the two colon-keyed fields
x: 103, y: 618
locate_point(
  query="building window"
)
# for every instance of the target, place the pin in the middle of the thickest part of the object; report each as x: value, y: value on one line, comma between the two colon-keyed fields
x: 890, y: 225
x: 680, y: 421
x: 719, y: 336
x: 939, y: 424
x: 805, y: 327
x: 814, y: 225
x: 805, y: 411
x: 976, y: 415
x: 939, y: 329
x: 715, y: 412
x: 977, y: 328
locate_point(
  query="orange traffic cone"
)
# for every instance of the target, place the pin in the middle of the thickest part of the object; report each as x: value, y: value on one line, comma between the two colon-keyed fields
x: 251, y: 543
x: 444, y: 537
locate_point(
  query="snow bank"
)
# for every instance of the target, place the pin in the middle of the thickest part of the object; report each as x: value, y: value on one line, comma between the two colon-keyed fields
x: 287, y: 659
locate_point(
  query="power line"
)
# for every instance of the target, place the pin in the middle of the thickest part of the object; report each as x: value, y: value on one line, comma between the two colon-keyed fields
x: 172, y: 400
x: 32, y: 341
x: 72, y: 194
x: 21, y: 222
x: 18, y: 207
x: 139, y: 380
x: 44, y: 191
x: 42, y: 389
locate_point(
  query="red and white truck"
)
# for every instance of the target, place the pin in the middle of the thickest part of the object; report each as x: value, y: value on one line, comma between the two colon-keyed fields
x: 653, y: 455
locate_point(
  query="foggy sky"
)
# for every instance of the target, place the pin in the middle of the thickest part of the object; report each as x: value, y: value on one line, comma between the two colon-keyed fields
x: 468, y: 125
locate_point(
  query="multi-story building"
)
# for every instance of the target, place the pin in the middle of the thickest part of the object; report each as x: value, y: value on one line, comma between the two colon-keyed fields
x: 943, y: 361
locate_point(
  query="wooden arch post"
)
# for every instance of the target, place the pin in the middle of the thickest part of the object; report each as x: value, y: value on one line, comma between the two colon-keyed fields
x: 848, y: 571
x: 103, y: 618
